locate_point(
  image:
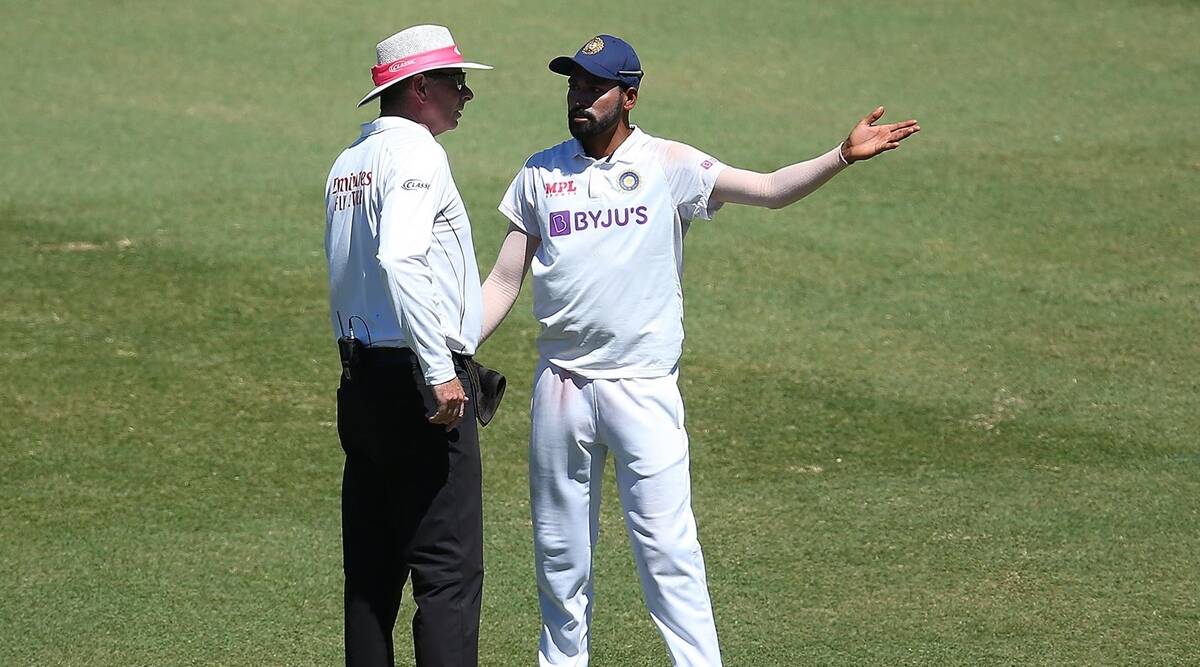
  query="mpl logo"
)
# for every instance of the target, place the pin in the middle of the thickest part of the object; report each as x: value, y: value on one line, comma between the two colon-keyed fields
x: 559, y: 188
x: 564, y: 222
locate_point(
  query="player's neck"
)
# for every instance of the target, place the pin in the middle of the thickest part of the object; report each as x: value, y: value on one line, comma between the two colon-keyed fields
x: 604, y: 145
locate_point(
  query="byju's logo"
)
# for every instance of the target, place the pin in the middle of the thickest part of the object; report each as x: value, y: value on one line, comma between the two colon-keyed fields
x: 560, y: 223
x: 563, y: 222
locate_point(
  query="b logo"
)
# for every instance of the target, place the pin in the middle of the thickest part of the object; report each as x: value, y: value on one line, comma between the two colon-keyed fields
x: 560, y: 223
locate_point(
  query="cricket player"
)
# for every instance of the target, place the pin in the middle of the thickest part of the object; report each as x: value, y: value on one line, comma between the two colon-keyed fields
x: 600, y: 219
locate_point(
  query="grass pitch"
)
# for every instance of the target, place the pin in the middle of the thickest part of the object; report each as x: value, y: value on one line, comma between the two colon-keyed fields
x: 942, y: 412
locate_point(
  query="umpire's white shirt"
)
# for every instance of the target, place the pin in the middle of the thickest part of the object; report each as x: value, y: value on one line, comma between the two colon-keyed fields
x: 399, y: 247
x: 607, y: 276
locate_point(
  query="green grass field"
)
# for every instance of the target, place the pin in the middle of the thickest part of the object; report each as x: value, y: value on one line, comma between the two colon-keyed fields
x: 944, y: 412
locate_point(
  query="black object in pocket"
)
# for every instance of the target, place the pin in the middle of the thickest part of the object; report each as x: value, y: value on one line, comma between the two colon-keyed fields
x: 489, y: 386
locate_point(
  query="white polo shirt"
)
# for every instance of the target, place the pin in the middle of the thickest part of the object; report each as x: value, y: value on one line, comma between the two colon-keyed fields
x: 607, y: 276
x: 398, y: 241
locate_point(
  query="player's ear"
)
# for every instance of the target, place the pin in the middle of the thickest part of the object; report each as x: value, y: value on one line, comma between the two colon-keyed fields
x: 629, y: 98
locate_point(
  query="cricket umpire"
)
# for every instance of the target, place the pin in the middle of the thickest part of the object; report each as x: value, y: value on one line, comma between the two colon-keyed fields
x: 600, y: 219
x: 405, y: 307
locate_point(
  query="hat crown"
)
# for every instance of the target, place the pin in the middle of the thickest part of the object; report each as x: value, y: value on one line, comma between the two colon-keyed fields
x: 411, y: 41
x: 618, y: 50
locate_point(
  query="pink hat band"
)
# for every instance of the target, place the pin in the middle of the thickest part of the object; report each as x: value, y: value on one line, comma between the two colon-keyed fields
x: 409, y: 65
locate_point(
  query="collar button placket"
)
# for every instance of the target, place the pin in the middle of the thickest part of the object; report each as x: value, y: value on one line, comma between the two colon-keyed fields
x: 592, y: 181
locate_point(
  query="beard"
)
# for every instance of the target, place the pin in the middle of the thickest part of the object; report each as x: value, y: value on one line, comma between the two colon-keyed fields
x: 594, y: 125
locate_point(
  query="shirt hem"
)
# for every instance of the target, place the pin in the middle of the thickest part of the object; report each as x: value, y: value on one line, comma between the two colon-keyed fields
x: 622, y: 373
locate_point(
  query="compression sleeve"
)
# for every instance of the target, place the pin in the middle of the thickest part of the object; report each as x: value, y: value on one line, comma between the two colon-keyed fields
x: 503, y: 284
x: 781, y: 187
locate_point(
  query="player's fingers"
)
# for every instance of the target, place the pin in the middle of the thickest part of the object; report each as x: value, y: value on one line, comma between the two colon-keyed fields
x: 873, y: 116
x: 898, y: 130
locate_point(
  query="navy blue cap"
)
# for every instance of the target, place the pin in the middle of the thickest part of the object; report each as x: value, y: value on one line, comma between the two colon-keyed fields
x: 604, y: 56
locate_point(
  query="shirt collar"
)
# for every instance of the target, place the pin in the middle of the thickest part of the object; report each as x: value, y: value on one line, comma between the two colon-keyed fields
x: 623, y: 153
x: 393, y: 123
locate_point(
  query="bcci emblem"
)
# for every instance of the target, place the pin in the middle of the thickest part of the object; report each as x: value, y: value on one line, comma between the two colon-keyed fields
x: 629, y: 181
x: 594, y: 46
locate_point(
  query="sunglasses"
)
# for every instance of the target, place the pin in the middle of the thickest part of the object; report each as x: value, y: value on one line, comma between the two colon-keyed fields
x: 459, y: 79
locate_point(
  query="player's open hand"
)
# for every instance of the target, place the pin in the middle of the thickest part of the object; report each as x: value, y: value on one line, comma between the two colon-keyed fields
x: 451, y: 403
x: 867, y: 139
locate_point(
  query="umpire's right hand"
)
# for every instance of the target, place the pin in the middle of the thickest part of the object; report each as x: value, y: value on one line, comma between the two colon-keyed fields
x: 451, y: 403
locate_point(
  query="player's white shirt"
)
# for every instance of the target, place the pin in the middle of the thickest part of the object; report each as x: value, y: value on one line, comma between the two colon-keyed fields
x: 607, y: 276
x: 399, y: 247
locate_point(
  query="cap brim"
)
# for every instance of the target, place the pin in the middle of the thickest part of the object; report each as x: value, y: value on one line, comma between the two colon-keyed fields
x: 379, y: 89
x: 565, y: 65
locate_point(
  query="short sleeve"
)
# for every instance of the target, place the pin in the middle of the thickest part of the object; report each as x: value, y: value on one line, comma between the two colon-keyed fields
x: 691, y: 174
x: 518, y: 204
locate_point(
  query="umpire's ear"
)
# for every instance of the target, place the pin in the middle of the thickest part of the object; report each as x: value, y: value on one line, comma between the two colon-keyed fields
x: 419, y: 85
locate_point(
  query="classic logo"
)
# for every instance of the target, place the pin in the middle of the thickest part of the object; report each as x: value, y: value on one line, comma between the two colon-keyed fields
x: 559, y: 188
x: 564, y: 222
x: 400, y: 64
x: 414, y: 184
x: 595, y: 45
x: 629, y: 181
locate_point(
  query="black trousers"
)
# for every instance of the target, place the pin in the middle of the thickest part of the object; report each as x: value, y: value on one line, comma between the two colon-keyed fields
x: 411, y: 508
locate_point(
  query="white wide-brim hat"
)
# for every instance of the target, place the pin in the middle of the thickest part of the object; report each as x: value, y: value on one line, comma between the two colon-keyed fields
x: 412, y: 51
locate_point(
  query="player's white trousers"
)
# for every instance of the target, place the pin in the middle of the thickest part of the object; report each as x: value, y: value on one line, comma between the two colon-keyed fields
x: 576, y: 422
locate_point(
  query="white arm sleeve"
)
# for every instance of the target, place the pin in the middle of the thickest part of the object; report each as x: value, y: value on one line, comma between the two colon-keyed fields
x: 503, y: 284
x: 411, y: 198
x: 781, y: 187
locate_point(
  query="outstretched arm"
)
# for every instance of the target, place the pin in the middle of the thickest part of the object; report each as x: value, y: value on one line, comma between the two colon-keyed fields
x: 503, y: 284
x: 788, y: 185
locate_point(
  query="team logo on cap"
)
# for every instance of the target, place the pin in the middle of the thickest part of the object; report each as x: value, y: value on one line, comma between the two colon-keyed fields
x: 629, y: 181
x: 594, y: 46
